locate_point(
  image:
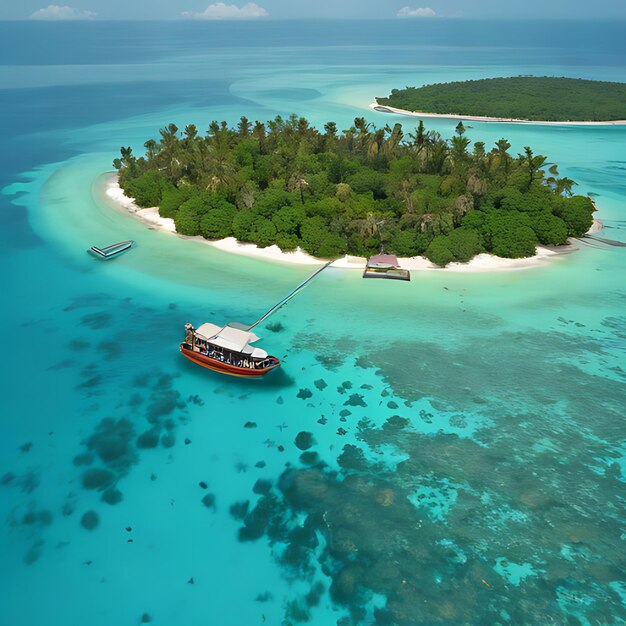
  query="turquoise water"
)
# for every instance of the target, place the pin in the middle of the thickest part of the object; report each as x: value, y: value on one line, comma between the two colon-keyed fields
x: 462, y: 455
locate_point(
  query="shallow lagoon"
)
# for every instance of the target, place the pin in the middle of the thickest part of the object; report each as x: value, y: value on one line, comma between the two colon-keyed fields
x: 466, y: 457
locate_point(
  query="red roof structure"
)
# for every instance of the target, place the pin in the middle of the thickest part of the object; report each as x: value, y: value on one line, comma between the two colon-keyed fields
x: 383, y: 261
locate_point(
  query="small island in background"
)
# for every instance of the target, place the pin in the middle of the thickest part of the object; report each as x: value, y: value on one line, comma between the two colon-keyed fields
x: 356, y: 191
x: 530, y: 98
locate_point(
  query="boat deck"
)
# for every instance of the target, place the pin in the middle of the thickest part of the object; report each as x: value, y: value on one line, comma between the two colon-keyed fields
x: 230, y: 366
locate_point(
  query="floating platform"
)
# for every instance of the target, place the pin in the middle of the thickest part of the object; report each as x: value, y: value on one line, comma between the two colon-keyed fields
x: 391, y: 274
x: 385, y: 266
x: 111, y: 251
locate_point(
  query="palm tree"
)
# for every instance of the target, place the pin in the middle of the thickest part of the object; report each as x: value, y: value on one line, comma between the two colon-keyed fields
x: 430, y: 139
x: 169, y: 134
x: 259, y: 133
x: 418, y: 138
x: 564, y: 185
x: 438, y: 153
x: 191, y: 132
x: 437, y: 223
x: 330, y: 138
x: 462, y: 205
x: 479, y: 152
x: 298, y: 184
x: 330, y: 128
x: 376, y: 142
x: 151, y: 147
x: 193, y: 156
x: 408, y: 187
x: 458, y: 151
x: 220, y: 169
x: 303, y: 126
x: 247, y: 194
x: 502, y: 155
x: 128, y: 160
x: 370, y: 226
x: 533, y: 163
x: 169, y: 151
x: 361, y: 124
x: 554, y: 173
x: 349, y: 138
x: 243, y: 127
x: 425, y: 221
x: 395, y: 138
x: 363, y: 137
x: 476, y: 185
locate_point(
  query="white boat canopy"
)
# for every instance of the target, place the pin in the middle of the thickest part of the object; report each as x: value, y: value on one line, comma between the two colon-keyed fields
x: 255, y: 353
x: 205, y: 331
x: 230, y: 338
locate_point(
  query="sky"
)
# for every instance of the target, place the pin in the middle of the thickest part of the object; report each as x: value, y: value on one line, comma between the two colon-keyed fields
x: 317, y: 9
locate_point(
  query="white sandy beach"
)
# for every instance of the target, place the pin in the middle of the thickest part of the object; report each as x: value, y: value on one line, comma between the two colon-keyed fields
x: 151, y: 217
x: 480, y: 263
x: 478, y: 118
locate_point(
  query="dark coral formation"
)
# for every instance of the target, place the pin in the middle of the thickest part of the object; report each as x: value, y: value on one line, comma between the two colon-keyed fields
x: 415, y: 535
x: 209, y: 501
x: 34, y: 552
x: 149, y: 438
x: 96, y: 321
x: 112, y: 449
x: 37, y: 518
x: 356, y: 399
x: 275, y: 327
x: 98, y: 479
x: 90, y: 520
x: 304, y: 440
x: 112, y: 443
x: 112, y: 496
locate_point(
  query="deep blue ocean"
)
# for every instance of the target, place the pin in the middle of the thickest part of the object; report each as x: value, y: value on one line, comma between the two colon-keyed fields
x: 445, y: 451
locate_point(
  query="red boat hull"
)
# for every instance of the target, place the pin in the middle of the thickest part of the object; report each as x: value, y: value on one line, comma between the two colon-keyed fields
x: 226, y: 368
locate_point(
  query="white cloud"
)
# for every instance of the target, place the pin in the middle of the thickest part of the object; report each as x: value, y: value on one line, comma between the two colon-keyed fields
x: 221, y: 11
x: 419, y: 12
x: 56, y: 12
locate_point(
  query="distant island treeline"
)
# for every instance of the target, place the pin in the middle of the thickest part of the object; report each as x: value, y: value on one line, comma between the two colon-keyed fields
x: 538, y: 98
x: 355, y: 191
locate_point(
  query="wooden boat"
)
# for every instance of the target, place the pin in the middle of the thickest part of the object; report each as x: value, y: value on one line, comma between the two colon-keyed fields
x: 385, y: 266
x: 112, y: 250
x: 226, y: 350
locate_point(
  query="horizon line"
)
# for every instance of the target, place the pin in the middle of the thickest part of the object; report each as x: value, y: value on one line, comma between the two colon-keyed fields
x: 396, y: 18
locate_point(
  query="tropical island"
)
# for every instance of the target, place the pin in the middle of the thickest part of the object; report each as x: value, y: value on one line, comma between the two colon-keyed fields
x: 531, y: 98
x: 357, y: 191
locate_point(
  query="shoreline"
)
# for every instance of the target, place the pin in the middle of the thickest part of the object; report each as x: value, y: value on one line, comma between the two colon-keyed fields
x: 383, y: 108
x: 480, y: 263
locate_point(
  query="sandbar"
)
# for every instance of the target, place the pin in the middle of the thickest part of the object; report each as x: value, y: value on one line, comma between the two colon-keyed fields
x: 383, y: 108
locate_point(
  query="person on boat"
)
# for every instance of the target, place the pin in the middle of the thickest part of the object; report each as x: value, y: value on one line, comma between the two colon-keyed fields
x: 189, y: 334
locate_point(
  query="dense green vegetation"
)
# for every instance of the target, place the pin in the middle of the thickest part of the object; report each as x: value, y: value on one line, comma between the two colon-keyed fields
x: 522, y: 97
x: 355, y: 191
